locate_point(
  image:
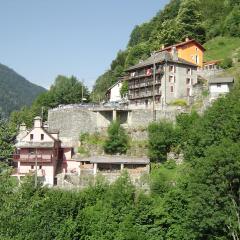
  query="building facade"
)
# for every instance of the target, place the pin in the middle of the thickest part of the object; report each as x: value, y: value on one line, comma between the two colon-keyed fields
x: 113, y: 93
x: 219, y: 86
x: 189, y: 50
x: 38, y: 150
x: 161, y: 79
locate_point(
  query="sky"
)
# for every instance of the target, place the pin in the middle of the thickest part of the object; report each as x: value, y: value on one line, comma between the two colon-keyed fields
x: 41, y: 39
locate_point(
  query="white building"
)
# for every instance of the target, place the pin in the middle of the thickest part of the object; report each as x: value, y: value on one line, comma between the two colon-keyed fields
x: 219, y: 86
x: 113, y: 93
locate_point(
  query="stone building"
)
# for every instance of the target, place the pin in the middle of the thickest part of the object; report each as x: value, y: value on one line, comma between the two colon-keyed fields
x: 161, y: 79
x: 111, y: 167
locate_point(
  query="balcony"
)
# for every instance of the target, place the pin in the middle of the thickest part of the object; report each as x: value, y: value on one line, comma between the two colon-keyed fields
x: 30, y: 158
x: 144, y: 95
x: 141, y: 75
x: 145, y: 84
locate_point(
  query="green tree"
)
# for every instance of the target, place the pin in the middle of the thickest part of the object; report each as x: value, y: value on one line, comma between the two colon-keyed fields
x: 117, y: 141
x: 124, y: 88
x: 189, y: 21
x: 7, y: 137
x: 162, y: 136
x: 232, y: 23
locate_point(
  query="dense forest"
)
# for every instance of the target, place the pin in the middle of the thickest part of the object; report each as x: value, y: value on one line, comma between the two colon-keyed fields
x: 15, y: 91
x: 202, y: 20
x: 197, y: 200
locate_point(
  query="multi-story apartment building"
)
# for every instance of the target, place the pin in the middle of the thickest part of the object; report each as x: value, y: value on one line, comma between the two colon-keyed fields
x: 162, y: 78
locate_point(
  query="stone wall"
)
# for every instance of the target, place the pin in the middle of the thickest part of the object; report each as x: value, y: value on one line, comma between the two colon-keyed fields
x: 71, y: 122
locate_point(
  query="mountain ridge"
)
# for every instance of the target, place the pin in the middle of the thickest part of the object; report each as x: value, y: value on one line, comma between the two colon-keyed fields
x: 15, y: 91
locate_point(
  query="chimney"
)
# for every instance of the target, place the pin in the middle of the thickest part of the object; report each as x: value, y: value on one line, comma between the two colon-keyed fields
x: 22, y: 127
x: 186, y: 39
x: 45, y: 125
x: 37, y: 122
x: 163, y: 46
x: 174, y: 53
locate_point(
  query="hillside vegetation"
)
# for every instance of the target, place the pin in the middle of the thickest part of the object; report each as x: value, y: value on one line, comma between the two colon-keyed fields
x: 198, y: 200
x: 15, y: 91
x: 203, y: 20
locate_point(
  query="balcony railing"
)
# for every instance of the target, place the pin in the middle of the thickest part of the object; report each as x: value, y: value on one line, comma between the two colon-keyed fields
x: 143, y: 95
x: 40, y: 158
x: 145, y: 74
x: 145, y: 84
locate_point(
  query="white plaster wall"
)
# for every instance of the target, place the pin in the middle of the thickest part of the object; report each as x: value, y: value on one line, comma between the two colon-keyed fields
x: 48, y: 171
x: 115, y: 93
x: 224, y: 88
x: 49, y: 175
x: 73, y: 166
x: 37, y: 136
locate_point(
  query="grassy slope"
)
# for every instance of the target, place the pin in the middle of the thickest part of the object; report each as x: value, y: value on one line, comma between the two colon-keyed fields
x: 220, y: 48
x: 224, y: 47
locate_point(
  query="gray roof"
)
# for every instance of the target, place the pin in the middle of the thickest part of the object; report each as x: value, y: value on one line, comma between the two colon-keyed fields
x: 160, y: 57
x: 221, y: 80
x: 34, y: 144
x: 113, y: 159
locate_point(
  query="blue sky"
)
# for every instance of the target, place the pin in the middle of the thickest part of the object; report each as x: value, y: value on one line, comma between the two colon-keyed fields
x: 43, y: 38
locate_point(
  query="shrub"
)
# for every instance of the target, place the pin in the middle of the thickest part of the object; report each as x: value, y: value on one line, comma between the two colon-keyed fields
x: 226, y: 63
x: 179, y: 102
x: 117, y: 141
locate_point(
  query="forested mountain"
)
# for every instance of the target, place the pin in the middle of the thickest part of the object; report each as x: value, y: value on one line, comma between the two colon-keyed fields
x: 15, y: 91
x: 202, y: 20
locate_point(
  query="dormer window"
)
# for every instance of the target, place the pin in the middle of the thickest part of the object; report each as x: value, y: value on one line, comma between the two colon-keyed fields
x: 42, y: 136
x: 31, y: 136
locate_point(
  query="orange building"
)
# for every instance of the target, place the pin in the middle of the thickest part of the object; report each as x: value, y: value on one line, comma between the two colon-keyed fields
x: 190, y: 50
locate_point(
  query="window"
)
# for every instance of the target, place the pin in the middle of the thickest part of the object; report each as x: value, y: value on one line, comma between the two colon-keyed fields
x: 40, y: 167
x: 196, y: 59
x: 188, y: 81
x: 189, y: 72
x: 219, y: 85
x: 171, y: 68
x: 171, y: 79
x: 42, y: 136
x: 32, y: 167
x: 171, y: 89
x: 31, y: 136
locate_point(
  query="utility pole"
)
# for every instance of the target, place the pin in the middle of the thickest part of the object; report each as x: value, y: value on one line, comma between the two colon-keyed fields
x: 35, y: 169
x: 154, y: 81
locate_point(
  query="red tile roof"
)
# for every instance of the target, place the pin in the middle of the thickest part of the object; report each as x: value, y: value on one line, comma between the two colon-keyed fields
x: 182, y: 44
